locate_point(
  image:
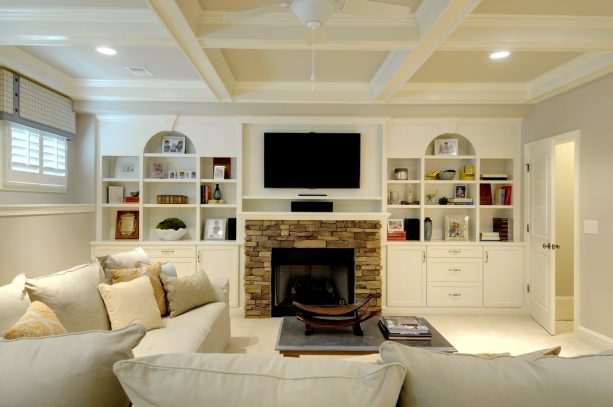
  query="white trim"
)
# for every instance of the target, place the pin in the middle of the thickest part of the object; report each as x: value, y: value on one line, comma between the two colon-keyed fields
x: 593, y: 337
x: 45, y: 209
x: 565, y: 308
x: 369, y: 216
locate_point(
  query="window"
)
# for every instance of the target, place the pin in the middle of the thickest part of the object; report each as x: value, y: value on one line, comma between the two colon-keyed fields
x: 35, y: 159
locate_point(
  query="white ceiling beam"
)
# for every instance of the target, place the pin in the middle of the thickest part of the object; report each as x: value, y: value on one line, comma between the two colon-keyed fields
x: 461, y: 93
x: 175, y: 21
x: 301, y: 92
x: 437, y: 20
x: 143, y: 91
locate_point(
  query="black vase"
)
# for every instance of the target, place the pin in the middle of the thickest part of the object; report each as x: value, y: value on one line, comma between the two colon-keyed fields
x: 217, y: 193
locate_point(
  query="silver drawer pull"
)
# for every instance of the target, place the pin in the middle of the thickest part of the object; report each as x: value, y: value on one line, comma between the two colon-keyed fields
x: 455, y: 251
x: 455, y: 294
x: 456, y: 270
x: 167, y: 251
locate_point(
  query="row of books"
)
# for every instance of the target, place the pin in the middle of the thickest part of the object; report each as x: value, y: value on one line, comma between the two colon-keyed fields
x: 397, y: 235
x: 404, y: 328
x: 502, y: 195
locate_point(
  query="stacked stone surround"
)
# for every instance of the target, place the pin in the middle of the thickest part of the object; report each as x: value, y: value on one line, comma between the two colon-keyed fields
x: 261, y: 236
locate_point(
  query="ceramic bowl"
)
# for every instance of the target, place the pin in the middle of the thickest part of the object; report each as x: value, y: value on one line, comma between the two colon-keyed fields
x: 170, y: 234
x: 446, y: 175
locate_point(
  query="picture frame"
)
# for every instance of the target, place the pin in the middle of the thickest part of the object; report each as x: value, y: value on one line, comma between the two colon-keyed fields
x: 127, y: 225
x: 126, y: 168
x: 215, y: 229
x: 456, y: 227
x: 193, y: 175
x: 395, y: 225
x: 158, y: 170
x: 172, y: 174
x: 219, y: 171
x: 115, y: 194
x: 181, y: 174
x: 173, y: 145
x: 447, y: 146
x: 460, y: 191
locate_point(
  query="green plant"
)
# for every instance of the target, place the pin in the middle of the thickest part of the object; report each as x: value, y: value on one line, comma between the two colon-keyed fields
x: 431, y: 197
x: 443, y: 200
x: 171, y: 223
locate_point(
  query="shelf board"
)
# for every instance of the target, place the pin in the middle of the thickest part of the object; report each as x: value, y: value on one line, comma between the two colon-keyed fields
x: 446, y: 207
x: 121, y: 206
x: 219, y: 181
x: 451, y: 157
x: 403, y: 181
x: 451, y: 181
x: 120, y: 180
x: 403, y: 206
x: 186, y: 206
x: 486, y: 181
x: 218, y: 205
x: 170, y: 180
x: 170, y: 155
x: 298, y: 198
x: 496, y: 206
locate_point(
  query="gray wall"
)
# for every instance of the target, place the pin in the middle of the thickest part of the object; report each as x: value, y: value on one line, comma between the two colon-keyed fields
x: 589, y: 109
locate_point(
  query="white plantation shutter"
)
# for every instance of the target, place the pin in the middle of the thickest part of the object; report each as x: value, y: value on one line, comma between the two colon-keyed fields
x: 36, y: 159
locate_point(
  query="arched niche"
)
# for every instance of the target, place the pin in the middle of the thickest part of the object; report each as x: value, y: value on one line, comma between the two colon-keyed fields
x: 154, y: 145
x: 465, y: 147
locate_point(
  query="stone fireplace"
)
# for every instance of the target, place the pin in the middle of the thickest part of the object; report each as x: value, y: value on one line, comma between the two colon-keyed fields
x: 262, y: 236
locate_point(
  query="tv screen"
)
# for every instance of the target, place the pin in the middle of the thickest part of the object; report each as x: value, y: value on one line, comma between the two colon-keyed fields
x: 311, y: 160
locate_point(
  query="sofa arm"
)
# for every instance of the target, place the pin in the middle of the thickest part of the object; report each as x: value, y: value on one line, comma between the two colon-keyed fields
x: 221, y: 286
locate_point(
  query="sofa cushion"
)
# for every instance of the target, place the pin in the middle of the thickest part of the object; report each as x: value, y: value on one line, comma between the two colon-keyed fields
x: 152, y: 271
x: 39, y: 320
x: 66, y: 370
x: 439, y: 379
x: 14, y: 302
x: 123, y: 260
x: 131, y: 302
x: 251, y: 380
x: 183, y: 334
x: 185, y: 293
x: 73, y: 296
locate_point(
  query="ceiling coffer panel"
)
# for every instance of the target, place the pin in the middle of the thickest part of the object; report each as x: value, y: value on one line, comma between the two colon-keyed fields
x: 31, y: 104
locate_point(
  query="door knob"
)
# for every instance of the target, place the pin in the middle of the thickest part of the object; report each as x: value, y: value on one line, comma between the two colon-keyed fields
x: 555, y: 246
x: 546, y: 245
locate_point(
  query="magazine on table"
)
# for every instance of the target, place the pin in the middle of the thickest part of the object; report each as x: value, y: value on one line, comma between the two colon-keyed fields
x: 404, y: 325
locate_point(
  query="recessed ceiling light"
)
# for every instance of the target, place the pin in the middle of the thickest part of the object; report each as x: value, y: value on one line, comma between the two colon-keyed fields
x: 106, y: 50
x: 499, y: 54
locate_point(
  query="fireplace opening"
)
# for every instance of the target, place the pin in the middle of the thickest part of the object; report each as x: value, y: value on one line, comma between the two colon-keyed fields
x: 312, y: 277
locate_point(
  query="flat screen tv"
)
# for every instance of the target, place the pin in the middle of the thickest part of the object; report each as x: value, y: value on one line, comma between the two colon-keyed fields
x: 311, y: 160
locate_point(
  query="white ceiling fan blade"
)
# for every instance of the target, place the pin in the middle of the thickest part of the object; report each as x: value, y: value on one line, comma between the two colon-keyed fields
x: 375, y: 9
x: 254, y: 12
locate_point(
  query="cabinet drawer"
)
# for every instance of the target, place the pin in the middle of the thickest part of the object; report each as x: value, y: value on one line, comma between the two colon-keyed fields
x: 169, y: 252
x: 454, y: 251
x: 454, y: 270
x: 455, y: 294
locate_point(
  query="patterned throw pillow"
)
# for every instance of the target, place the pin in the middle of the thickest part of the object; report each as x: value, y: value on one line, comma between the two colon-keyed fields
x: 153, y: 271
x: 39, y: 320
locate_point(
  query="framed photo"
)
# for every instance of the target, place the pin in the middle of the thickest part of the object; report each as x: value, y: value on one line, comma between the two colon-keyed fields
x: 173, y: 144
x: 181, y: 174
x: 115, y: 195
x: 215, y: 229
x: 126, y: 167
x: 172, y: 174
x: 446, y: 146
x: 126, y: 225
x: 219, y: 171
x: 395, y: 225
x: 456, y: 227
x: 193, y: 174
x: 460, y: 191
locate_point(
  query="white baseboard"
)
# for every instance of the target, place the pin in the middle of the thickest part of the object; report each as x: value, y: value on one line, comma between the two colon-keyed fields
x: 594, y: 338
x: 565, y: 308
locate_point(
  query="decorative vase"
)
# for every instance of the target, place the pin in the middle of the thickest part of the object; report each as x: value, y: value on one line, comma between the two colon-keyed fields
x: 217, y: 193
x: 409, y: 194
x: 427, y: 229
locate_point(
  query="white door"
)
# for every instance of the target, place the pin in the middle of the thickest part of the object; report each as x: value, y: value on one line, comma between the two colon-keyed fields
x: 503, y: 277
x: 222, y: 261
x: 540, y: 206
x: 406, y: 276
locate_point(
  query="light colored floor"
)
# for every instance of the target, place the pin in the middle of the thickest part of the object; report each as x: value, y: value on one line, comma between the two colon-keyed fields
x: 515, y: 334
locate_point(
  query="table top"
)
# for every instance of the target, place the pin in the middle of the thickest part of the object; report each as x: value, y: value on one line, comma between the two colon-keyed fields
x: 291, y: 338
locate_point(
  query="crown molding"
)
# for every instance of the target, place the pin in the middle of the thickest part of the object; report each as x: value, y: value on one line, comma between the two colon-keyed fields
x: 461, y: 93
x: 143, y: 90
x: 45, y: 209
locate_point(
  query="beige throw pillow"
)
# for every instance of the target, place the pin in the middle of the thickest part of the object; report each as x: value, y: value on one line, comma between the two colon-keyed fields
x: 73, y: 296
x: 152, y: 271
x: 39, y: 320
x: 66, y: 370
x: 185, y: 293
x: 123, y: 260
x: 254, y: 381
x: 440, y: 379
x: 131, y: 302
x: 14, y: 302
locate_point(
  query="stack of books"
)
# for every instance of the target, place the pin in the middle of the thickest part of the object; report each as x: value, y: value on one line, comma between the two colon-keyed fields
x: 504, y: 228
x: 490, y: 236
x: 485, y: 194
x: 397, y: 235
x: 461, y: 201
x: 431, y: 174
x: 495, y: 177
x: 402, y: 328
x: 503, y: 195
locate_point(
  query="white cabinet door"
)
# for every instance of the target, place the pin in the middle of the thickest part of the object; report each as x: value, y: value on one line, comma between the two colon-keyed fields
x: 406, y: 276
x: 503, y: 277
x: 221, y: 261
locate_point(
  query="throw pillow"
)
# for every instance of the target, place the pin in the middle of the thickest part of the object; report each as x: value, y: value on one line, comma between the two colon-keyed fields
x: 188, y: 292
x: 14, y: 302
x: 123, y: 260
x: 131, y: 302
x: 152, y: 271
x: 66, y: 370
x: 39, y: 320
x: 73, y: 296
x: 440, y: 379
x: 252, y: 380
x: 168, y: 268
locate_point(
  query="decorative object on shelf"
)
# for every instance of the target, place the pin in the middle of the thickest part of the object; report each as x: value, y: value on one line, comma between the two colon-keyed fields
x: 456, y: 227
x: 126, y: 167
x: 467, y: 172
x: 171, y: 199
x: 430, y: 175
x: 226, y: 162
x: 126, y: 226
x: 443, y: 200
x: 158, y: 170
x: 173, y: 144
x: 219, y: 171
x: 427, y: 229
x: 171, y: 229
x: 193, y: 175
x: 460, y: 191
x: 504, y: 227
x: 411, y: 227
x: 401, y: 174
x: 494, y: 177
x: 395, y: 229
x: 172, y: 174
x: 133, y: 198
x: 489, y: 236
x: 446, y: 175
x: 447, y: 146
x: 431, y: 197
x: 181, y: 174
x: 394, y: 198
x: 215, y: 229
x: 409, y: 196
x: 115, y: 194
x: 217, y: 193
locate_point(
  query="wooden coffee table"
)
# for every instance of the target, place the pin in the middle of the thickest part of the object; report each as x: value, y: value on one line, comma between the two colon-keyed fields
x: 292, y: 342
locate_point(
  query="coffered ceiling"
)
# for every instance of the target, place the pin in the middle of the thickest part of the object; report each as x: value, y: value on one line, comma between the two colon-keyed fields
x: 369, y: 51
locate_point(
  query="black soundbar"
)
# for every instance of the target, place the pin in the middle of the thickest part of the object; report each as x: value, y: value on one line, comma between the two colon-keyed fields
x: 309, y: 206
x: 312, y: 194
